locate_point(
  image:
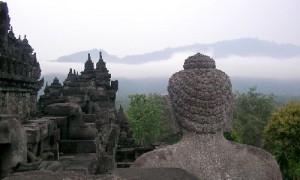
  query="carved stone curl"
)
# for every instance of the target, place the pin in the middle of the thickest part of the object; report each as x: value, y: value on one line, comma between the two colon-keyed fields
x: 201, y: 96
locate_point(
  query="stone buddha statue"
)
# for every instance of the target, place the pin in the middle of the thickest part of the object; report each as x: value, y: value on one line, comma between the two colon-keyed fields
x: 202, y: 104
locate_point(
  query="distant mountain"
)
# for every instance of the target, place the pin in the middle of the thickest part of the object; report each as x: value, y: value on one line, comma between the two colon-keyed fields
x: 244, y: 47
x: 248, y: 47
x: 282, y: 89
x: 240, y: 84
x: 159, y: 85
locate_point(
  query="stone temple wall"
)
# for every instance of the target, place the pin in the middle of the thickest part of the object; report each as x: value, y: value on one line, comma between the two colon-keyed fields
x: 87, y: 99
x: 23, y: 103
x: 19, y: 72
x: 75, y: 118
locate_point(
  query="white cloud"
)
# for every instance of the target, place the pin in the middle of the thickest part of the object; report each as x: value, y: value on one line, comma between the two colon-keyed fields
x: 163, y: 68
x: 258, y: 67
x: 51, y: 67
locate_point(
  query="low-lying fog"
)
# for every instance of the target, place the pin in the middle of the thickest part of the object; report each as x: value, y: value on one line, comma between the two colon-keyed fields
x: 256, y: 67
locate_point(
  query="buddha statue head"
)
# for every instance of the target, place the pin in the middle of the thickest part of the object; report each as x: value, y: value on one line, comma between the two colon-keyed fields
x: 201, y: 96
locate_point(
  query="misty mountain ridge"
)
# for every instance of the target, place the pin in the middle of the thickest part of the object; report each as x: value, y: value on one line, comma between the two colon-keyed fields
x: 287, y: 88
x: 244, y: 47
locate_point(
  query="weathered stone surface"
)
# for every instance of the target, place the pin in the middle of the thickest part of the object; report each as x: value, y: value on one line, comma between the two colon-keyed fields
x: 51, y: 166
x: 201, y: 96
x: 42, y: 137
x: 78, y: 110
x: 77, y: 128
x: 4, y: 25
x: 87, y: 100
x: 39, y: 129
x: 60, y: 109
x: 212, y: 157
x: 55, y: 137
x: 33, y: 134
x: 92, y: 90
x: 89, y: 118
x: 202, y: 101
x: 13, y: 149
x: 127, y: 151
x: 154, y: 173
x: 105, y: 164
x: 5, y: 133
x: 19, y: 72
x: 77, y: 146
x: 43, y: 175
x: 60, y: 121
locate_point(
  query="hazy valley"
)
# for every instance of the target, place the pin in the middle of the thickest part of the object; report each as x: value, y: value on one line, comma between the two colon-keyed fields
x: 272, y: 67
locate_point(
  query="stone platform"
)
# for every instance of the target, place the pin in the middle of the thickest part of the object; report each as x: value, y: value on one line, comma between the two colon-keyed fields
x: 78, y: 163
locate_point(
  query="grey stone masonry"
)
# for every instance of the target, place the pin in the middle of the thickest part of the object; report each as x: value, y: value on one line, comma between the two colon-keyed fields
x: 19, y: 71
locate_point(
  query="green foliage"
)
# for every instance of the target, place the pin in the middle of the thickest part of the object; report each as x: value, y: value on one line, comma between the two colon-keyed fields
x: 148, y: 117
x: 252, y: 111
x: 233, y: 136
x: 282, y: 139
x: 171, y: 138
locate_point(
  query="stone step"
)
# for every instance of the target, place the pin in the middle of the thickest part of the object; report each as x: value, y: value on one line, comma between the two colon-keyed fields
x: 77, y: 146
x: 78, y: 163
x: 124, y: 164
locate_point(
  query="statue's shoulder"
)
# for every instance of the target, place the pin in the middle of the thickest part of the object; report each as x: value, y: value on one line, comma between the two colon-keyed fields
x: 157, y: 158
x: 255, y: 160
x: 251, y: 151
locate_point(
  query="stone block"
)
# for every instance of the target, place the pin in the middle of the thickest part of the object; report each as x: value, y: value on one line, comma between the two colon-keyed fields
x: 15, y: 152
x: 45, y: 145
x: 98, y: 124
x: 77, y: 146
x: 67, y: 147
x: 5, y: 134
x: 45, y: 121
x: 55, y: 137
x: 89, y: 118
x: 60, y: 121
x: 43, y: 127
x: 33, y: 148
x: 87, y: 146
x: 85, y: 131
x: 60, y: 109
x: 78, y: 169
x: 33, y: 134
x: 110, y: 145
x: 43, y: 130
x: 79, y: 163
x: 164, y: 173
x: 105, y: 164
x: 55, y: 151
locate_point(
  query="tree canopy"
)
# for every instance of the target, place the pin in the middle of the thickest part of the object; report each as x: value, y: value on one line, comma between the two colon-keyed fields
x: 282, y: 139
x: 251, y: 113
x: 148, y: 118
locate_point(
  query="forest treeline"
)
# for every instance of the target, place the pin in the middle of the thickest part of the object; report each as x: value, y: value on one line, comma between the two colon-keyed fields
x: 257, y: 120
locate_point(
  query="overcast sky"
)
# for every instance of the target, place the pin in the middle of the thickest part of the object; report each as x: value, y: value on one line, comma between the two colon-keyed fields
x: 124, y: 27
